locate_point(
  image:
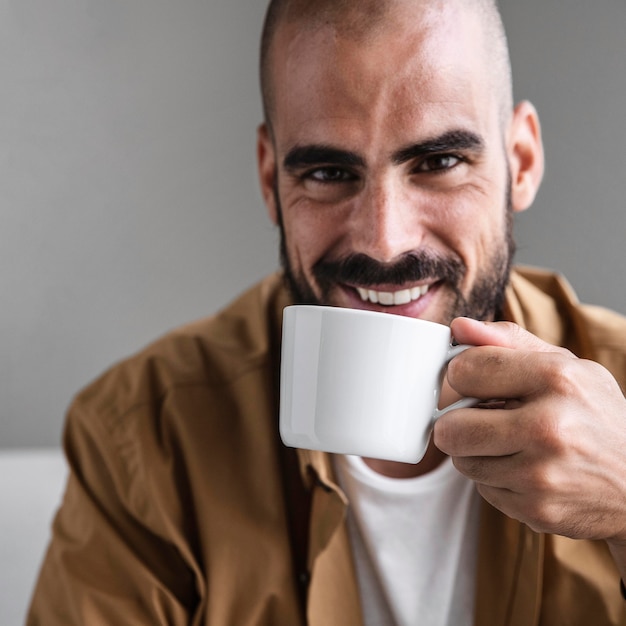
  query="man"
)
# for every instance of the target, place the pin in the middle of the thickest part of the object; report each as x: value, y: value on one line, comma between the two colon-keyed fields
x: 392, y: 160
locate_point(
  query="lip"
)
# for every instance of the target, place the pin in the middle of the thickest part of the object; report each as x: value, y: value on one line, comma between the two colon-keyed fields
x: 416, y: 308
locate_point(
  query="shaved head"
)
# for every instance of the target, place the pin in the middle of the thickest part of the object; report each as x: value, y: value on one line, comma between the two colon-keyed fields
x: 360, y: 20
x: 392, y: 156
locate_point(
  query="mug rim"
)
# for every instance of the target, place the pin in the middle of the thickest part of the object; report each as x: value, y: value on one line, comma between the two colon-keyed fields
x: 342, y: 310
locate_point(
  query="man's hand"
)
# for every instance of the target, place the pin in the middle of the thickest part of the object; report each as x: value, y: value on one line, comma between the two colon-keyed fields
x: 551, y: 449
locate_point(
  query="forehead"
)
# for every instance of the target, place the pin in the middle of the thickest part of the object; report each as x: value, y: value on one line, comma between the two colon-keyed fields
x: 426, y: 68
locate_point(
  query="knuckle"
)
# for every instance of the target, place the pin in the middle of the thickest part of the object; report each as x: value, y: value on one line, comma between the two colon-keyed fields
x: 552, y: 432
x: 542, y: 481
x: 542, y: 511
x: 560, y: 374
x: 543, y: 517
x: 511, y: 328
x: 516, y: 336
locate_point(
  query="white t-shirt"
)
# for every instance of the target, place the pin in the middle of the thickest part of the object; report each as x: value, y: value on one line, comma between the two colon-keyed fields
x: 414, y: 542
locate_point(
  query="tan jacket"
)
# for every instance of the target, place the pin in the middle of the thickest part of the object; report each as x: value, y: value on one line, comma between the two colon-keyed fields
x: 175, y: 510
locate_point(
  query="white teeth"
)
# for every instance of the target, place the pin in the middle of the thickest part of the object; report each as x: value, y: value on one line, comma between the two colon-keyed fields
x: 402, y: 297
x: 387, y: 298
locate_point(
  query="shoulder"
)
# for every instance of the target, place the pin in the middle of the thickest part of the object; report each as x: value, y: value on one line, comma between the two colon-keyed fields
x: 206, y: 355
x: 547, y: 299
x: 606, y: 333
x: 607, y: 329
x: 177, y: 414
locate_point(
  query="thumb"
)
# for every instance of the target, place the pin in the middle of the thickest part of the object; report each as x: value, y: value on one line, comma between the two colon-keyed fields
x: 502, y: 334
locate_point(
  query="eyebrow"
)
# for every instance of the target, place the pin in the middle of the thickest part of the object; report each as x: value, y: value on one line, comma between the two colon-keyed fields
x: 450, y: 141
x: 315, y: 154
x: 303, y: 156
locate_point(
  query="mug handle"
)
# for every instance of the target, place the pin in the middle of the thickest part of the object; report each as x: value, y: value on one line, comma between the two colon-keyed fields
x: 463, y: 403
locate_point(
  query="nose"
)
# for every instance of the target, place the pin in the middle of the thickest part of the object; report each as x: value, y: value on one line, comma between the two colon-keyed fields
x: 385, y: 223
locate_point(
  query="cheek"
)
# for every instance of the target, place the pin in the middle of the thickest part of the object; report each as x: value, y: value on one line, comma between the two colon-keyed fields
x: 310, y: 234
x: 453, y: 218
x: 471, y: 224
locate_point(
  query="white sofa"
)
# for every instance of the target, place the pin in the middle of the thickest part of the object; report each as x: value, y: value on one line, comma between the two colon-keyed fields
x: 31, y: 486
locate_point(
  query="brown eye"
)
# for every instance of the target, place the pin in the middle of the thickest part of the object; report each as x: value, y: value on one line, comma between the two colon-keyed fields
x: 330, y: 175
x: 438, y: 162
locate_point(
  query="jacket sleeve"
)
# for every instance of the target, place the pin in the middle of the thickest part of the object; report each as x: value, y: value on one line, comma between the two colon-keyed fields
x: 109, y: 560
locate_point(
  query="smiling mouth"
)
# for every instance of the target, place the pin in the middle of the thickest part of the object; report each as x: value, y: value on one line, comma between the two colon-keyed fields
x: 393, y: 298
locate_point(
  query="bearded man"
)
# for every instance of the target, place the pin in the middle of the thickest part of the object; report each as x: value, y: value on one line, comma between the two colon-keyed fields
x: 392, y: 159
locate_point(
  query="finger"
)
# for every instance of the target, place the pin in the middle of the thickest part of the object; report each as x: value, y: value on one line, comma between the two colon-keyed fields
x: 479, y: 432
x: 492, y: 472
x: 502, y: 334
x: 493, y: 372
x: 573, y: 513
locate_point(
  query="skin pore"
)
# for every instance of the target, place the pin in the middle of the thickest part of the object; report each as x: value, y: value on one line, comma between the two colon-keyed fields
x: 392, y: 168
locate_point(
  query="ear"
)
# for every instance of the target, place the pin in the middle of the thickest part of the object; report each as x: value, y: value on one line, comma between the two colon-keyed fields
x: 525, y: 153
x: 266, y: 163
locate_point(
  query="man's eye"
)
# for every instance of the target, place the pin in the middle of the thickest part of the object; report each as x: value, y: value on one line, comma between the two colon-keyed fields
x: 438, y: 162
x: 330, y: 175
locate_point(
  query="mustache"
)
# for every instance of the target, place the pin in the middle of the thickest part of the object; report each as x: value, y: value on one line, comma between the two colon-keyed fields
x: 360, y: 269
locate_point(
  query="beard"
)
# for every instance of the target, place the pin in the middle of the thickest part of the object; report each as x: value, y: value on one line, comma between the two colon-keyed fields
x: 483, y: 302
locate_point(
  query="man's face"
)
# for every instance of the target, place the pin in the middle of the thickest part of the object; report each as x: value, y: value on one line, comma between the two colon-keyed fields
x: 388, y: 170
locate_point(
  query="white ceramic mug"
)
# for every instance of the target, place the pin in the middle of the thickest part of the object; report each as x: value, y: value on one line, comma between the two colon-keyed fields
x: 361, y: 382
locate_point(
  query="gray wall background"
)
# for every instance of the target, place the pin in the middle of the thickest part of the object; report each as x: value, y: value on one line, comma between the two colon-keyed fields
x: 129, y: 199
